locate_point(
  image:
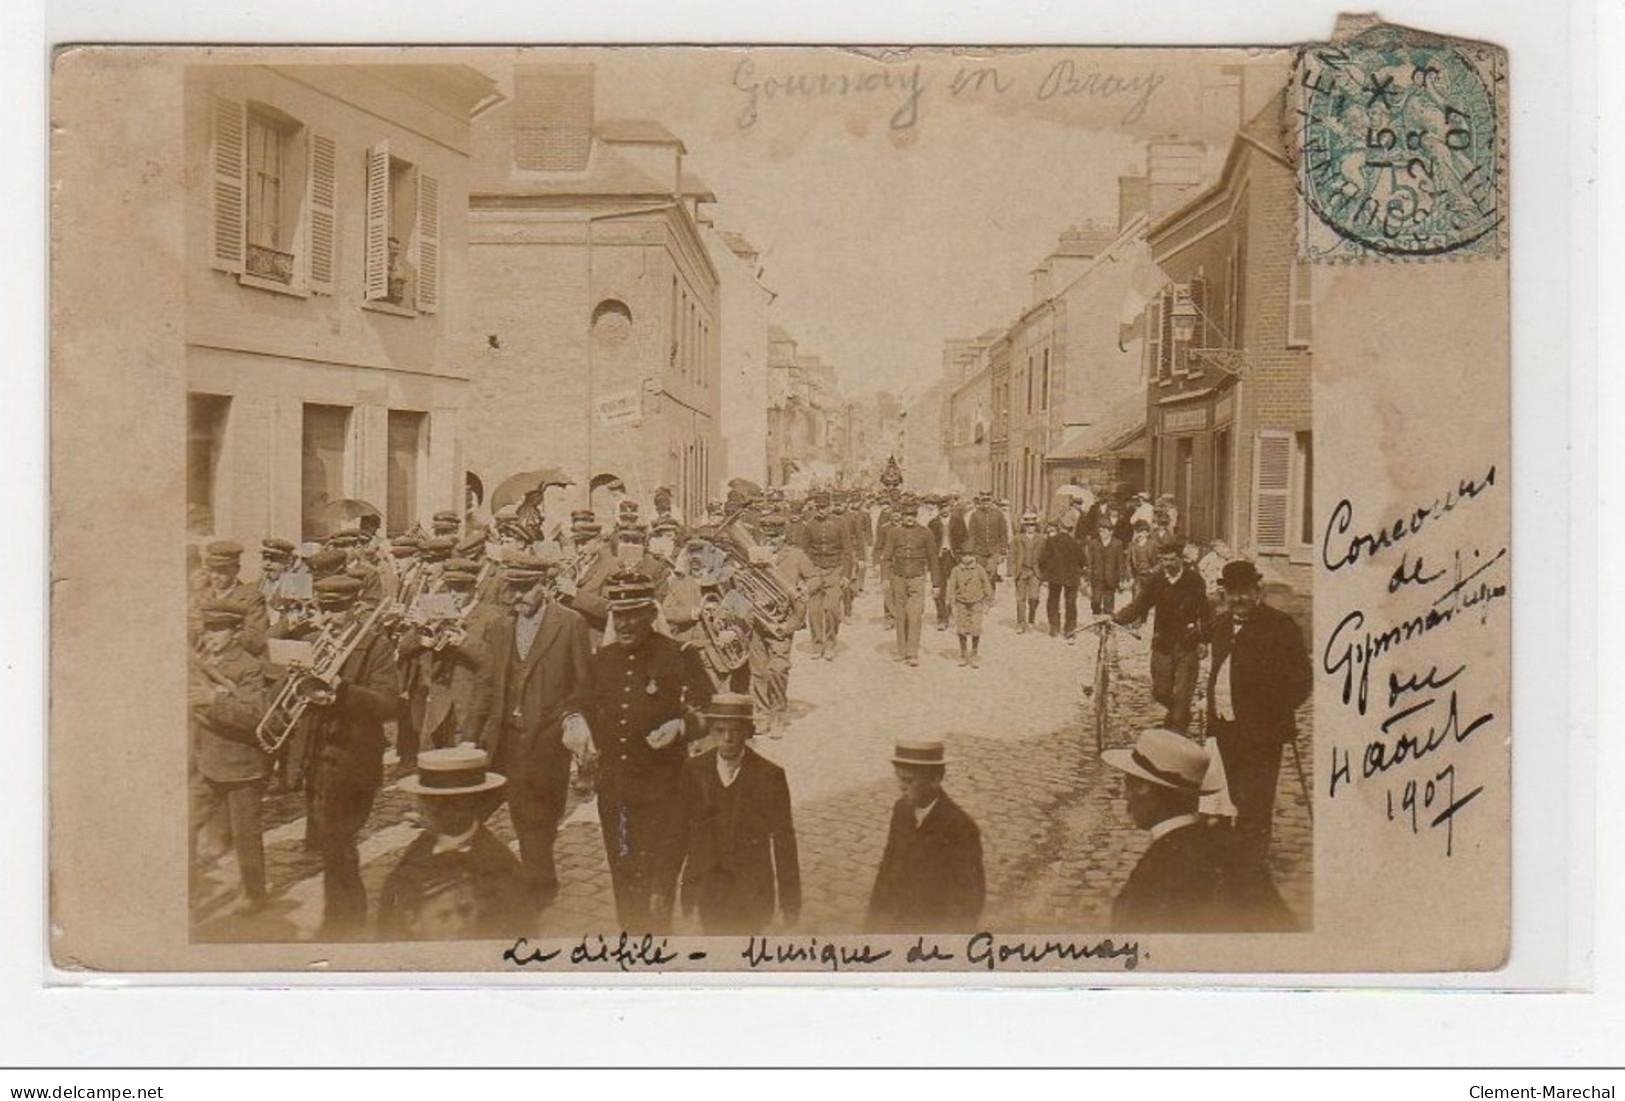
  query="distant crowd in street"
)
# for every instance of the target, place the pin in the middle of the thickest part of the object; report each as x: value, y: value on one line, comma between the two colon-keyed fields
x: 506, y: 654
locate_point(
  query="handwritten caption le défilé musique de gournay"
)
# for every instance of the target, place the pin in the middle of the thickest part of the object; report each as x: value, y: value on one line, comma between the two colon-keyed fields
x: 984, y: 950
x: 905, y: 87
x: 1417, y: 710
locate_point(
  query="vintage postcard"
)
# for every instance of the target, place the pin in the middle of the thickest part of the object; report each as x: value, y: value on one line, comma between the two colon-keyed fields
x: 560, y: 511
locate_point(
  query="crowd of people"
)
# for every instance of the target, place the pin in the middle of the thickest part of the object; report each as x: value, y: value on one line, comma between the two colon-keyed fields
x: 503, y: 656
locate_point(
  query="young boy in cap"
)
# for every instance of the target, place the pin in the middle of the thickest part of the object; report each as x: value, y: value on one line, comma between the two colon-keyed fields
x: 226, y: 699
x: 931, y: 878
x: 740, y: 864
x: 455, y: 880
x: 969, y: 592
x: 1025, y: 552
x: 1189, y: 880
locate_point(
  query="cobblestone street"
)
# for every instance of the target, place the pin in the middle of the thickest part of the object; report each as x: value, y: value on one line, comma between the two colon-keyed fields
x: 1019, y: 730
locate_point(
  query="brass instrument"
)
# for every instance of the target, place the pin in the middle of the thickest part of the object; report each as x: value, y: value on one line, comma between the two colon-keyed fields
x: 726, y: 634
x: 303, y: 686
x: 776, y: 608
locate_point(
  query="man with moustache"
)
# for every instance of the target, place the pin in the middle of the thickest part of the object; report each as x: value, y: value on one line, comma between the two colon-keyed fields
x: 911, y: 562
x: 639, y: 704
x: 535, y: 662
x: 1179, y: 598
x: 1260, y: 676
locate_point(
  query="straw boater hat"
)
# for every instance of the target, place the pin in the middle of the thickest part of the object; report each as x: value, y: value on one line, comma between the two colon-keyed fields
x: 731, y: 705
x: 458, y: 770
x: 1166, y: 759
x: 920, y: 753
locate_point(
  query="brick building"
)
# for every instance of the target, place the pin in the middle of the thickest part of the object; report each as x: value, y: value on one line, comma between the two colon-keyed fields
x: 1228, y: 356
x: 325, y: 292
x: 595, y: 342
x: 969, y: 368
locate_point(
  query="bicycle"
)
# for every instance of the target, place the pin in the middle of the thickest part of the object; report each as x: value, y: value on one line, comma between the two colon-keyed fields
x: 1105, y: 662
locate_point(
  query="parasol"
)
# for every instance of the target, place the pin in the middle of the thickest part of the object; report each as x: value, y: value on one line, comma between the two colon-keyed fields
x: 342, y: 511
x: 516, y: 488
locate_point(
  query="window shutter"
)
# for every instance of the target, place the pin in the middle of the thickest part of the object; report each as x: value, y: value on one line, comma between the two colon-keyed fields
x: 1300, y: 314
x: 1165, y: 358
x: 377, y: 252
x: 1153, y: 339
x: 229, y: 195
x: 1272, y: 487
x: 428, y: 291
x: 323, y: 217
x: 1199, y: 299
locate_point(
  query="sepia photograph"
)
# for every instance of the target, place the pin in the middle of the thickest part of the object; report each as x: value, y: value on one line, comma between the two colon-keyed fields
x: 804, y: 509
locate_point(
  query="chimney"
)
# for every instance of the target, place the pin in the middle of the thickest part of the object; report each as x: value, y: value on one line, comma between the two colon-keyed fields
x: 1133, y: 198
x: 552, y: 117
x: 1174, y: 168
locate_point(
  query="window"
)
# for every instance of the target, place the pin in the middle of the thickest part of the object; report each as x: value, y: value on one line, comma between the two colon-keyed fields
x: 403, y: 234
x: 324, y: 466
x: 1031, y: 375
x: 1272, y: 490
x: 1043, y: 395
x: 206, y: 417
x: 272, y: 198
x: 1300, y: 308
x: 408, y: 454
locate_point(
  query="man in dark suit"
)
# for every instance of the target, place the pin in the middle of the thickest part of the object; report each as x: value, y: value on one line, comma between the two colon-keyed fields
x: 1260, y: 676
x: 535, y: 662
x: 641, y: 702
x: 1179, y: 597
x: 740, y: 862
x: 930, y: 878
x: 1060, y: 564
x: 1189, y: 880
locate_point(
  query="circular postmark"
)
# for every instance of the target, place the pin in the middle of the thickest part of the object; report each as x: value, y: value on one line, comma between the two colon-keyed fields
x: 1399, y: 148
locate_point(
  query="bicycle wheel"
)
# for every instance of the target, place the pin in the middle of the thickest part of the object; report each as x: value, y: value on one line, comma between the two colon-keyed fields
x: 1102, y: 705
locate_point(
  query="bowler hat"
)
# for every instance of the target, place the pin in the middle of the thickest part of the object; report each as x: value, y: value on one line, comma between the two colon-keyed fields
x: 1166, y: 759
x: 1240, y: 574
x: 457, y: 770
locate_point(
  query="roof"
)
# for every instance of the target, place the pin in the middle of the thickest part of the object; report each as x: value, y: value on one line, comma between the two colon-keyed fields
x: 1116, y: 426
x: 696, y: 188
x: 636, y: 132
x: 1262, y: 134
x: 740, y: 246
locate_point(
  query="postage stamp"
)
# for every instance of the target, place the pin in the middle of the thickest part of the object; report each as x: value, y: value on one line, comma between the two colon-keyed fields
x: 1400, y: 148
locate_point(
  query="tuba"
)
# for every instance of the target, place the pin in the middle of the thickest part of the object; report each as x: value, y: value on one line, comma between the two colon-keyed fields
x: 726, y: 634
x: 775, y: 607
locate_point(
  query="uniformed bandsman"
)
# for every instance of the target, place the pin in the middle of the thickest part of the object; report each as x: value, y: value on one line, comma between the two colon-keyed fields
x: 346, y: 719
x: 226, y: 698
